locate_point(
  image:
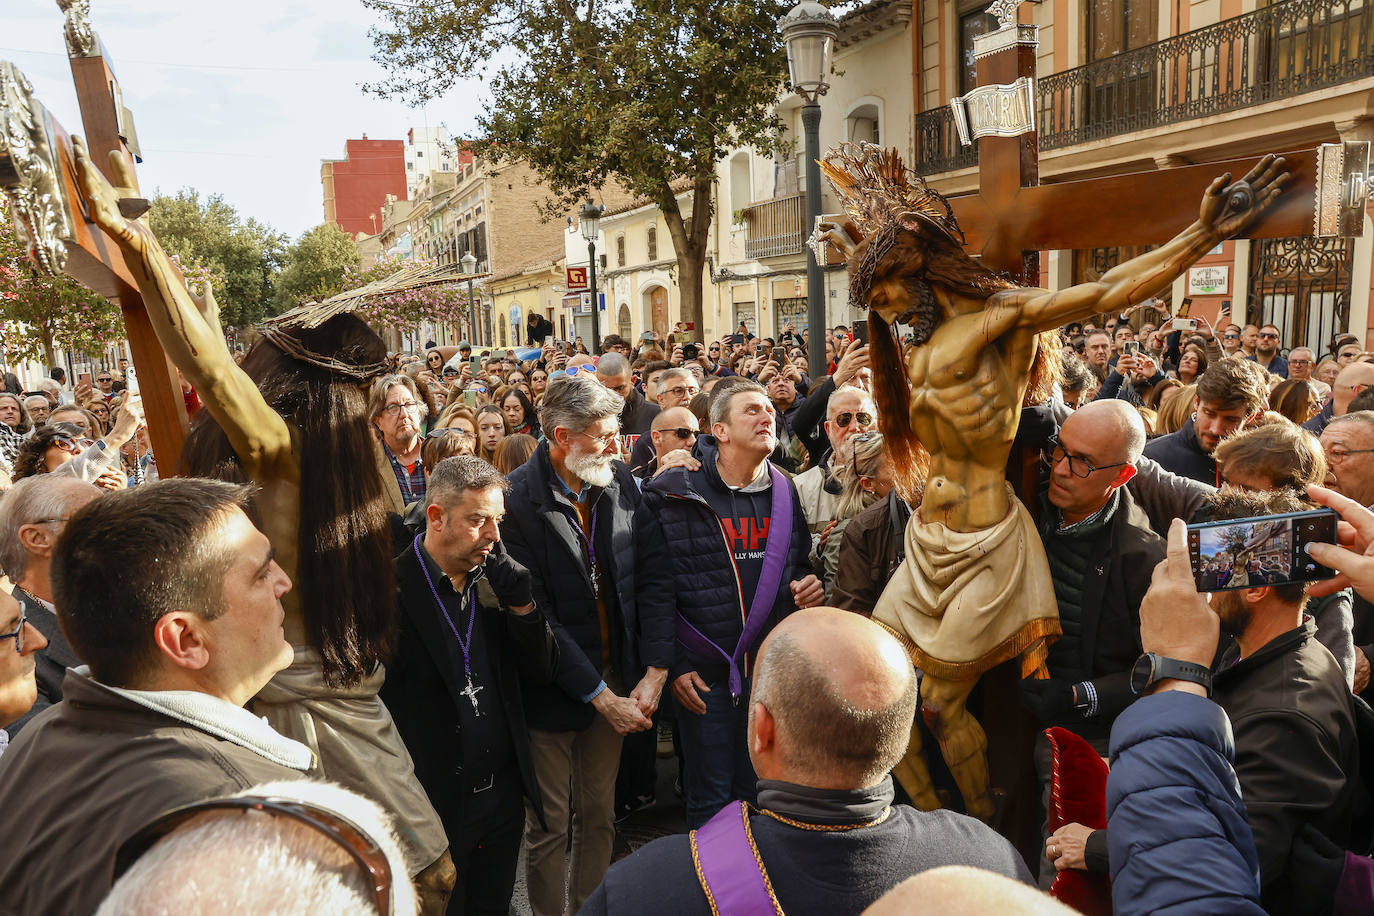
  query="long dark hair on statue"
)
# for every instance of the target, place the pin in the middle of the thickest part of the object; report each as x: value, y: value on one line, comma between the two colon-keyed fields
x: 344, y: 577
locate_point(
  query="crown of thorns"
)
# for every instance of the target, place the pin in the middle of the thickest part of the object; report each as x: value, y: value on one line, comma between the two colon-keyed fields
x: 882, y: 197
x: 291, y: 345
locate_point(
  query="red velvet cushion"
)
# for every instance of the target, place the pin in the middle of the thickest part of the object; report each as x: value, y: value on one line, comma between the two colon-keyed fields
x: 1078, y: 795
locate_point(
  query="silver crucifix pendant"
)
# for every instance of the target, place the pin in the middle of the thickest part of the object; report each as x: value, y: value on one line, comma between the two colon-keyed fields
x: 471, y: 692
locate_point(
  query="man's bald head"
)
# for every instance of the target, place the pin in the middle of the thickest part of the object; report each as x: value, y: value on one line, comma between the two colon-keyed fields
x: 840, y: 694
x: 1353, y: 379
x: 1110, y: 421
x: 674, y: 417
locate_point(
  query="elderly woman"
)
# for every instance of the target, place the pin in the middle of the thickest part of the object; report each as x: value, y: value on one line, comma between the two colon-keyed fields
x: 865, y: 476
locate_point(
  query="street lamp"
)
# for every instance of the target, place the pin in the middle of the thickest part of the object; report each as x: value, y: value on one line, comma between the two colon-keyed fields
x: 468, y: 264
x: 809, y: 31
x: 589, y: 220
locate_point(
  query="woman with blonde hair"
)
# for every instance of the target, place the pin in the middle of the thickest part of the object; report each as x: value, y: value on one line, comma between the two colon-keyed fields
x: 864, y: 471
x: 1295, y: 399
x: 1174, y: 409
x: 514, y: 451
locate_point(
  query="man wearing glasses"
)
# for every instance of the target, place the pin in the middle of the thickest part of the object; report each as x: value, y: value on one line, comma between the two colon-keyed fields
x: 33, y: 514
x: 1352, y: 380
x: 398, y: 412
x: 573, y: 519
x: 1102, y: 552
x: 674, y: 433
x: 20, y: 642
x: 1348, y: 443
x: 1267, y: 351
x: 1230, y: 339
x: 850, y: 411
x: 1301, y: 362
x: 155, y: 719
x: 105, y: 382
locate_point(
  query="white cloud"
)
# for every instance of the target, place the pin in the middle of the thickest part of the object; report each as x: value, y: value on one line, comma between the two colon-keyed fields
x: 242, y: 98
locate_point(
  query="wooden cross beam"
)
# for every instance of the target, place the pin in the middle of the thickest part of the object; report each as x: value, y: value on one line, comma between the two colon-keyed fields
x: 1012, y: 217
x: 41, y: 181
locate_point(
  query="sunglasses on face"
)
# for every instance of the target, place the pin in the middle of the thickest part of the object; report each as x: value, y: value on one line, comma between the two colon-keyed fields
x: 864, y: 417
x: 683, y: 432
x: 73, y: 445
x: 576, y: 369
x: 1269, y: 335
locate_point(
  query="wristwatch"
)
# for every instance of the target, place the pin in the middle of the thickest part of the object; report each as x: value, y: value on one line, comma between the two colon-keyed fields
x: 1150, y: 669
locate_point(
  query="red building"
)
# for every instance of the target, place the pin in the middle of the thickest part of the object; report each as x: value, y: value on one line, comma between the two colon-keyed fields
x: 356, y: 186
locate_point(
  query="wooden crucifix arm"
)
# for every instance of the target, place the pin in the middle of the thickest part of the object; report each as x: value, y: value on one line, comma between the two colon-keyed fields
x: 187, y: 330
x: 1226, y: 210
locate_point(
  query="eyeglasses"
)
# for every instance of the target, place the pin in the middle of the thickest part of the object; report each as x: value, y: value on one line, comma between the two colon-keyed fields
x: 1230, y: 337
x: 683, y: 432
x: 436, y: 358
x: 18, y: 634
x: 348, y: 836
x: 713, y: 350
x: 75, y: 446
x: 394, y: 410
x: 682, y: 389
x: 1078, y: 467
x: 449, y: 431
x: 1269, y: 335
x: 843, y: 420
x: 603, y: 441
x: 576, y: 369
x: 538, y: 378
x: 104, y: 379
x: 1335, y: 454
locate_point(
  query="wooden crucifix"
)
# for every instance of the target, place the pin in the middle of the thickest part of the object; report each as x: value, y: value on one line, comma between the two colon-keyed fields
x: 1012, y: 217
x: 37, y: 173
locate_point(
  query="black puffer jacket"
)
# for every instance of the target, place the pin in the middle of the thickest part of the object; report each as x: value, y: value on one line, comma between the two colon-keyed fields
x: 1182, y: 453
x: 540, y: 532
x: 704, y: 581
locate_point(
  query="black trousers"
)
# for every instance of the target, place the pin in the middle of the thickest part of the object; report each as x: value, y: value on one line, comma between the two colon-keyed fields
x: 484, y: 840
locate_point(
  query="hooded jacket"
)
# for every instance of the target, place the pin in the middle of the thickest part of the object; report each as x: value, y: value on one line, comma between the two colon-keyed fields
x: 705, y: 579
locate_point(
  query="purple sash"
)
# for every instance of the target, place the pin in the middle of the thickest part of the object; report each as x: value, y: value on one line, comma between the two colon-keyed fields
x: 770, y: 577
x: 728, y: 865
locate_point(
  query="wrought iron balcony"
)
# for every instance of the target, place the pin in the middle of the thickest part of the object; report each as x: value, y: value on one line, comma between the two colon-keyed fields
x: 775, y: 228
x: 1275, y: 52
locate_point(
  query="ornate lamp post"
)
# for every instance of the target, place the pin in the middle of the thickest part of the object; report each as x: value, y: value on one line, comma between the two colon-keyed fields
x: 809, y: 31
x: 589, y: 220
x: 468, y: 264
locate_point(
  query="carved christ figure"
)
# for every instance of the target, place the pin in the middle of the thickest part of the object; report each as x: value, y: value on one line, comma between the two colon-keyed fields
x: 292, y: 421
x: 974, y: 590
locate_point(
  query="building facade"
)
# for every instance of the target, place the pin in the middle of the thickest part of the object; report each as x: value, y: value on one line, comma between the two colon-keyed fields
x: 356, y: 186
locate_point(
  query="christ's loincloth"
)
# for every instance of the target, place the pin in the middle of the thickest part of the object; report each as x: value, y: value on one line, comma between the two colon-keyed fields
x: 964, y: 602
x: 357, y: 745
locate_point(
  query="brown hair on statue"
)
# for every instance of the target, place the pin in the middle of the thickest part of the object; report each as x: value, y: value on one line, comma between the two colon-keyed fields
x: 344, y: 576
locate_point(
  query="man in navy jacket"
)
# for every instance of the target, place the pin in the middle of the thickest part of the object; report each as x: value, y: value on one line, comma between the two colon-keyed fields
x: 573, y: 519
x: 733, y: 580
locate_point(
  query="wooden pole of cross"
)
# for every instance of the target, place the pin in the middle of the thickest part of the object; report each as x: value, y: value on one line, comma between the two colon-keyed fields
x: 37, y: 173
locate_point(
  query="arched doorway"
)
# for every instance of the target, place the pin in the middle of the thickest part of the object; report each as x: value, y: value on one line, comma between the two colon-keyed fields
x: 658, y: 310
x: 622, y: 320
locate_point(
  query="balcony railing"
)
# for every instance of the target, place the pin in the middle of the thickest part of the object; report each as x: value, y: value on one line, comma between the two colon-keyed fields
x: 775, y: 228
x: 1276, y: 52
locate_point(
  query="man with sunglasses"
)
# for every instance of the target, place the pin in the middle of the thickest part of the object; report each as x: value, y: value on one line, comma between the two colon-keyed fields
x: 674, y: 432
x: 174, y: 650
x: 1101, y: 552
x: 1230, y: 339
x: 850, y: 411
x: 1267, y: 351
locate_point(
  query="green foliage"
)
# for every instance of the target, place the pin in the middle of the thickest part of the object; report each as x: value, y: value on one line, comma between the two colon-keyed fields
x: 40, y: 314
x: 315, y: 266
x: 242, y: 256
x: 649, y: 94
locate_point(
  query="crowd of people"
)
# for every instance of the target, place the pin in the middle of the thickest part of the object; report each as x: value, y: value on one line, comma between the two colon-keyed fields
x: 678, y: 542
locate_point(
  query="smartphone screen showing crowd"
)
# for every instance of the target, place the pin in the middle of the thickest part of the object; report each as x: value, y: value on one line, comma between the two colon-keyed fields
x: 1251, y: 552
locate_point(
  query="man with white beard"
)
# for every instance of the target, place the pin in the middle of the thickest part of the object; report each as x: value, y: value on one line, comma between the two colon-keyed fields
x: 573, y: 518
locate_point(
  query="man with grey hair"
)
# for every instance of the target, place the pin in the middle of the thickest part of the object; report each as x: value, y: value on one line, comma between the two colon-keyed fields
x: 573, y: 518
x: 676, y: 387
x: 1348, y: 443
x: 737, y: 568
x: 849, y: 412
x: 398, y: 411
x: 469, y: 632
x: 39, y: 408
x: 1301, y: 362
x: 33, y: 514
x: 830, y: 715
x: 637, y: 416
x: 1101, y: 551
x: 279, y: 847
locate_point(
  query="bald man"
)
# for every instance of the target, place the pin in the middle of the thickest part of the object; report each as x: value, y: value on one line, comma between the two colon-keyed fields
x: 1353, y: 379
x: 833, y: 701
x: 672, y: 430
x: 1102, y: 551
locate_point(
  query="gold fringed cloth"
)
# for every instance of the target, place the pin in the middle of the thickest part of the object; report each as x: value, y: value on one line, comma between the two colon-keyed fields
x: 357, y: 744
x: 964, y: 602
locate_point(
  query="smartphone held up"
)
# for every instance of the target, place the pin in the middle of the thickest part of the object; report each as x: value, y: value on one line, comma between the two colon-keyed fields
x: 1267, y: 550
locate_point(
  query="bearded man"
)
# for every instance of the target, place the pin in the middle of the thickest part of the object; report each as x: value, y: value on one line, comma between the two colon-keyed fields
x: 292, y: 420
x: 974, y: 590
x: 574, y: 519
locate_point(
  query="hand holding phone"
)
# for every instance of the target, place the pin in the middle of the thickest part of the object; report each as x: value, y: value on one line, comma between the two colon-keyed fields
x: 1266, y: 550
x: 861, y: 330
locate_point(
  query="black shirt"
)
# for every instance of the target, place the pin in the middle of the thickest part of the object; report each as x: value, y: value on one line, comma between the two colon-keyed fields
x: 482, y: 736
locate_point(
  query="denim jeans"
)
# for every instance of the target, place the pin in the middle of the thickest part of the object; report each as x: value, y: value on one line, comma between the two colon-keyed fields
x: 715, y: 749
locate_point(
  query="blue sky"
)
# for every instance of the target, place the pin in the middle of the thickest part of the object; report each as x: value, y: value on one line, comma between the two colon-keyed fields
x: 240, y: 98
